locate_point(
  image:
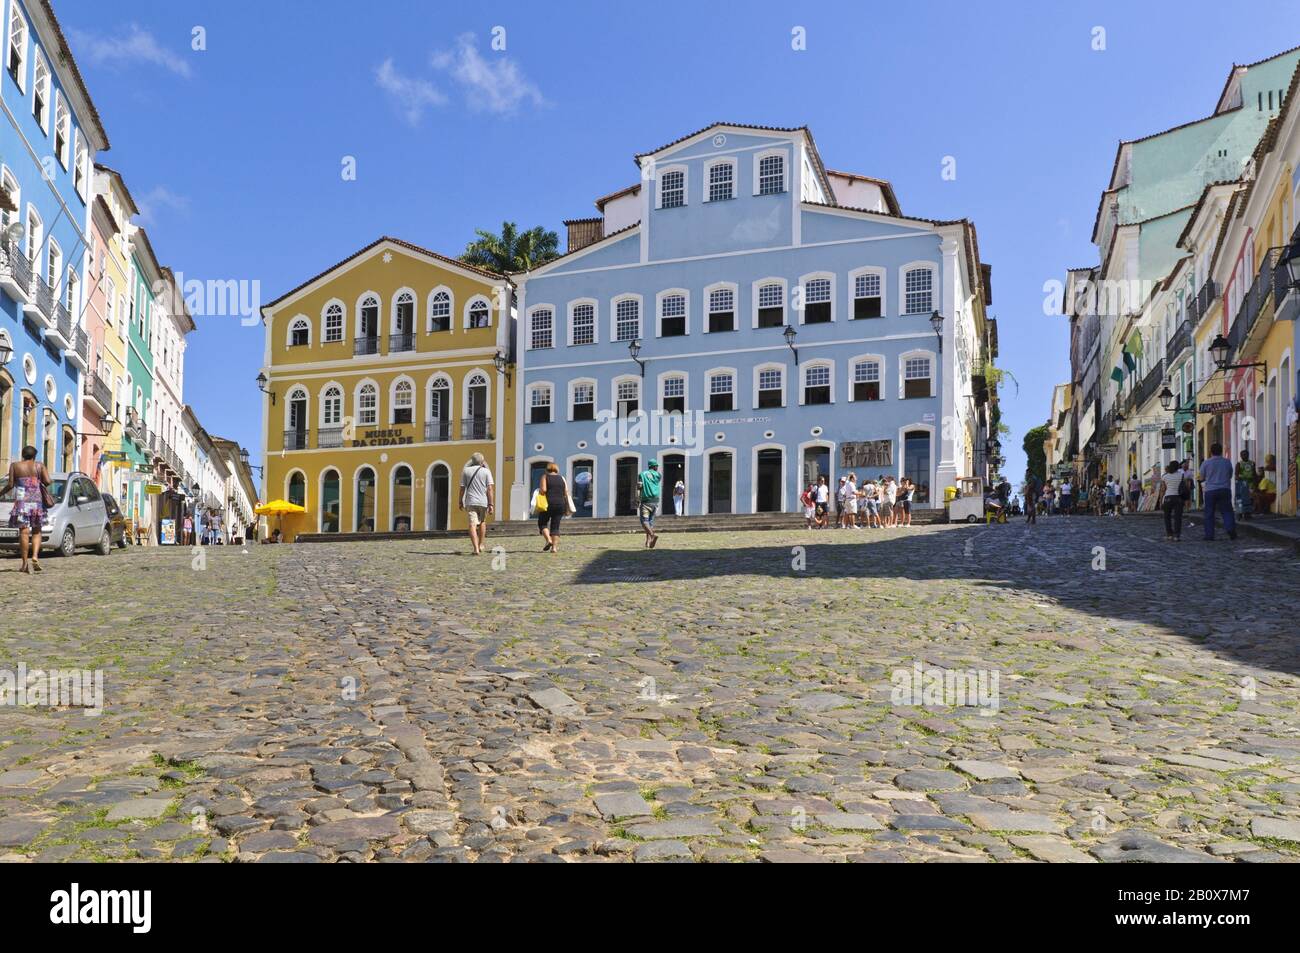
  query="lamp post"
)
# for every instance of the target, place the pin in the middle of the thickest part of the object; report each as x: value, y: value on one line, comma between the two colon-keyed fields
x: 6, y: 351
x: 261, y: 385
x: 790, y: 334
x: 1219, y: 349
x: 634, y: 351
x: 243, y: 458
x: 503, y: 365
x: 1167, y: 398
x: 936, y: 322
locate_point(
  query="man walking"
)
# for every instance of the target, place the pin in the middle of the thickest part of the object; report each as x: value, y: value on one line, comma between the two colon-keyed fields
x: 1033, y: 490
x: 477, y: 499
x: 1216, y: 487
x: 1246, y: 475
x: 648, y: 489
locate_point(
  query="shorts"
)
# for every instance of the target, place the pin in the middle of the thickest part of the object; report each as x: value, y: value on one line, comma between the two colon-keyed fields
x: 646, y: 512
x: 907, y: 506
x: 550, y: 520
x: 1134, y: 496
x: 886, y: 508
x: 808, y: 511
x: 873, y: 507
x: 851, y: 506
x: 476, y: 514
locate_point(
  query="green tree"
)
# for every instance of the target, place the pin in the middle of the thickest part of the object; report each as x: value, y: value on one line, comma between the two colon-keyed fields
x: 1034, y: 452
x: 511, y: 250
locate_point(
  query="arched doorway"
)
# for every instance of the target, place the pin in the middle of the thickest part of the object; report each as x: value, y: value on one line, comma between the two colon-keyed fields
x: 297, y: 489
x: 720, y: 469
x: 329, y: 502
x: 916, y: 464
x: 402, y: 499
x: 770, y: 463
x: 625, y: 494
x: 364, y: 518
x: 439, y: 497
x: 674, y: 470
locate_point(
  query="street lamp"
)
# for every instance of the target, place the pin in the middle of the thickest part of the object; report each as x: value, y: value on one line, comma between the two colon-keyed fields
x: 936, y: 322
x: 790, y: 334
x: 243, y: 458
x: 6, y: 351
x: 1167, y: 398
x: 502, y: 364
x: 1291, y: 260
x: 1219, y: 349
x: 634, y: 351
x: 261, y: 385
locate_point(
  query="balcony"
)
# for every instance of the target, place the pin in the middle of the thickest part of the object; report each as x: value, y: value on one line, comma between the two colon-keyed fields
x: 1180, y: 342
x: 327, y: 437
x: 366, y: 345
x: 402, y: 341
x: 41, y: 305
x: 99, y: 394
x: 1200, y: 304
x: 15, y: 273
x: 437, y: 431
x: 79, y: 352
x: 1255, y: 313
x: 61, y: 333
x: 1150, y: 384
x: 476, y: 428
x: 295, y: 439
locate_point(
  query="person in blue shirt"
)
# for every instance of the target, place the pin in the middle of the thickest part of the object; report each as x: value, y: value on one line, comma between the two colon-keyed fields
x: 1216, y: 487
x: 648, y: 488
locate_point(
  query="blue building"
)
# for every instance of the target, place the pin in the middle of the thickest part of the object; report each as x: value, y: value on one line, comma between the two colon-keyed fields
x: 753, y: 320
x: 49, y: 135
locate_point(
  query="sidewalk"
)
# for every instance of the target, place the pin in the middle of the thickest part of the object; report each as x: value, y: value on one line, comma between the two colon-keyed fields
x: 1275, y: 529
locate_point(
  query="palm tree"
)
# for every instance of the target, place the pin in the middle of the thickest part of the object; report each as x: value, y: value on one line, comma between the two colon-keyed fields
x: 512, y: 250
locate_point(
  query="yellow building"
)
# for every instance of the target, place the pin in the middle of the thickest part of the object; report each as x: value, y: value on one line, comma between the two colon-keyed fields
x: 385, y: 373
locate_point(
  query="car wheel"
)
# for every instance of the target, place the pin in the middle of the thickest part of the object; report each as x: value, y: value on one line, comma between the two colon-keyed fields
x: 105, y: 543
x: 69, y: 545
x: 972, y: 518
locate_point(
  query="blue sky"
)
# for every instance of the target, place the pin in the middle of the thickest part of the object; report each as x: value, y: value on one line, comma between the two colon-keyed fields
x: 235, y: 152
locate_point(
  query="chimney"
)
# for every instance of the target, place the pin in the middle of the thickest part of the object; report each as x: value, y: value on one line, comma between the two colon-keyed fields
x: 584, y: 231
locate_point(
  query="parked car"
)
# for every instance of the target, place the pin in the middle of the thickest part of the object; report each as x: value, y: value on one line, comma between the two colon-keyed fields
x: 116, y: 521
x: 78, y: 518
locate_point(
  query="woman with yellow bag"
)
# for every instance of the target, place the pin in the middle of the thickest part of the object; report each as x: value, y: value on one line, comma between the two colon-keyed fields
x: 551, y: 503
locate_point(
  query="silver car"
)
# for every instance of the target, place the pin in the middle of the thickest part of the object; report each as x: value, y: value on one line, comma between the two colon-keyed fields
x: 78, y: 518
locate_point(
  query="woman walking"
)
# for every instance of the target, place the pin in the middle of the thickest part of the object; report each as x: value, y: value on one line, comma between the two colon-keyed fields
x: 29, y: 481
x: 1175, y: 487
x: 556, y: 491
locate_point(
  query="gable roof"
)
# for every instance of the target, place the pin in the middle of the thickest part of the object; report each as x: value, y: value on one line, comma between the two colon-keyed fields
x: 891, y: 201
x: 409, y: 246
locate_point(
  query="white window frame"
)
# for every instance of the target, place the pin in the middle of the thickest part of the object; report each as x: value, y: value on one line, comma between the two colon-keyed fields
x: 7, y: 177
x: 324, y: 321
x: 784, y: 156
x: 713, y: 372
x: 324, y: 401
x: 852, y: 289
x: 686, y: 185
x: 356, y: 403
x: 802, y: 288
x: 532, y: 316
x: 659, y: 307
x: 429, y: 387
x: 34, y: 236
x: 705, y: 304
x: 595, y: 320
x: 805, y: 367
x: 379, y: 312
x: 296, y: 321
x: 902, y: 370
x: 465, y: 388
x: 38, y: 58
x: 64, y: 154
x: 769, y: 366
x: 708, y: 174
x: 753, y: 295
x: 16, y: 13
x: 392, y: 398
x: 625, y: 379
x: 392, y: 310
x: 880, y: 363
x: 572, y: 389
x: 297, y: 392
x: 902, y: 286
x: 469, y: 306
x: 451, y: 310
x: 53, y: 265
x: 666, y: 376
x: 613, y: 317
x: 532, y: 389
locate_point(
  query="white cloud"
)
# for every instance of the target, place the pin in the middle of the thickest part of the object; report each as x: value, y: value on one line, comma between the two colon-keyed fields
x: 409, y: 94
x: 136, y: 46
x: 495, y: 86
x: 161, y: 199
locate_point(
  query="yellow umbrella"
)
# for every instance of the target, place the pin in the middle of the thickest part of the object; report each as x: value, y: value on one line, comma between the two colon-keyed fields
x: 279, y: 508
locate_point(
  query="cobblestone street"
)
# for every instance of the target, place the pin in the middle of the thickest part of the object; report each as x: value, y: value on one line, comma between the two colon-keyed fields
x: 721, y: 698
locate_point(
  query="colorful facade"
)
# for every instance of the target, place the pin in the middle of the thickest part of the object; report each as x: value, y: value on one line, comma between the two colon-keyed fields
x: 383, y: 379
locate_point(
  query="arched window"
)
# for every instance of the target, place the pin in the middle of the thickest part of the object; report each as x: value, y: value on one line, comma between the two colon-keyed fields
x: 627, y: 396
x: 582, y: 400
x: 62, y: 129
x: 478, y: 314
x: 364, y: 513
x: 818, y: 298
x: 403, y: 401
x: 672, y: 394
x: 916, y: 378
x: 582, y: 322
x: 367, y: 405
x: 541, y: 328
x: 403, y: 336
x: 769, y: 386
x: 672, y: 314
x: 720, y: 180
x: 769, y: 300
x: 330, y: 502
x: 867, y: 383
x: 295, y: 419
x: 476, y: 425
x: 817, y: 384
x: 299, y: 332
x: 722, y: 390
x: 297, y: 490
x: 918, y: 289
x: 539, y: 404
x: 16, y: 55
x: 627, y: 319
x: 438, y: 425
x: 333, y: 321
x: 440, y: 311
x: 41, y: 92
x: 722, y: 309
x: 331, y: 406
x: 367, y: 325
x: 402, y: 497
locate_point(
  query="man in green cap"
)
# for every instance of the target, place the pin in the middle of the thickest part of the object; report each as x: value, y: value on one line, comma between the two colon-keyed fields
x: 648, y: 489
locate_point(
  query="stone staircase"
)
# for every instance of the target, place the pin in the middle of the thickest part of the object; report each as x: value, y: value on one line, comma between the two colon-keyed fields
x: 715, y: 522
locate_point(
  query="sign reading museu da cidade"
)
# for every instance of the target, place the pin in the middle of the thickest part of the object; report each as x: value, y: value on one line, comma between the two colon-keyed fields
x: 391, y: 437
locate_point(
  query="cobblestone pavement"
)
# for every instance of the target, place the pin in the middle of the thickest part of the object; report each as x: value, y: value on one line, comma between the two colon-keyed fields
x: 721, y: 698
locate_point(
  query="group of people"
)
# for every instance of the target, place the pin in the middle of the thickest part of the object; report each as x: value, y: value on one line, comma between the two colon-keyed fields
x: 879, y: 503
x: 1256, y: 491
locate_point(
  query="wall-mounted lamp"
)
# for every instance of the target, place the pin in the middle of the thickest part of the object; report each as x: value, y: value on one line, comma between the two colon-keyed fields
x: 261, y: 385
x: 634, y: 351
x: 790, y: 334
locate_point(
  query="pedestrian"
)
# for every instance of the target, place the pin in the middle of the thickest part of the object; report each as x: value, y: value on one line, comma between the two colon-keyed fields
x: 477, y: 498
x: 851, y: 502
x: 679, y: 497
x: 1134, y: 492
x: 187, y: 531
x: 889, y: 497
x: 1216, y: 490
x: 841, y: 510
x: 1175, y: 497
x: 908, y: 490
x: 1033, y: 493
x: 808, y: 498
x: 648, y: 489
x: 555, y: 490
x: 823, y: 501
x: 1049, y: 497
x: 31, y: 488
x: 1067, y: 496
x: 1246, y: 475
x: 1112, y: 496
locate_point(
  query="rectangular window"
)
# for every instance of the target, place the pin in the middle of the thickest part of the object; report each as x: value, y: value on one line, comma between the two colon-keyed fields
x: 817, y: 301
x: 541, y: 334
x: 721, y: 390
x: 584, y: 324
x: 674, y: 399
x: 629, y: 398
x: 916, y: 377
x: 584, y: 401
x: 672, y: 316
x: 866, y: 296
x: 722, y: 310
x: 918, y: 287
x: 539, y: 408
x: 866, y: 381
x: 627, y: 319
x: 769, y: 388
x: 771, y: 306
x: 720, y: 182
x: 771, y: 175
x: 817, y: 385
x: 672, y: 189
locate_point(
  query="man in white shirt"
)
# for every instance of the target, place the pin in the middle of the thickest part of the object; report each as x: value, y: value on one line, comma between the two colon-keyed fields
x: 823, y: 501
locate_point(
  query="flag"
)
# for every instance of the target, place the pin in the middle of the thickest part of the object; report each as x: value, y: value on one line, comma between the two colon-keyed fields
x: 1117, y: 375
x: 1135, y: 344
x: 1129, y: 361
